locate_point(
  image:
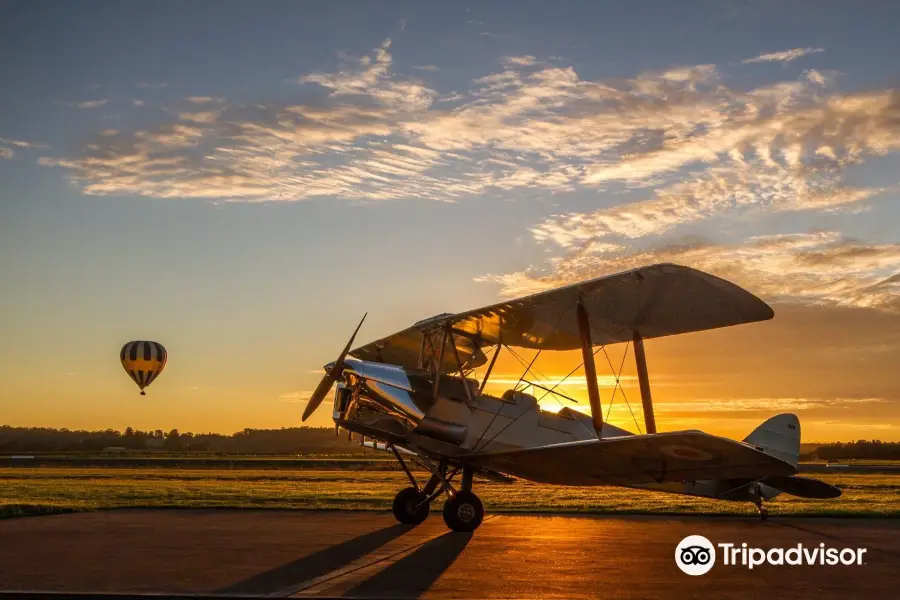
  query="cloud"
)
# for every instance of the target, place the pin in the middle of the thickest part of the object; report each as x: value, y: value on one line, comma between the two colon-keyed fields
x: 91, y: 103
x: 363, y: 132
x: 209, y: 116
x: 783, y: 56
x: 18, y: 143
x: 152, y: 86
x: 137, y: 103
x: 426, y: 68
x: 521, y: 61
x: 731, y: 405
x: 817, y: 268
x: 204, y: 100
x: 296, y: 397
x: 7, y: 146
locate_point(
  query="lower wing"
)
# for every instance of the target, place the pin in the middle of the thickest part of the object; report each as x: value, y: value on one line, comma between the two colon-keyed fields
x: 659, y: 458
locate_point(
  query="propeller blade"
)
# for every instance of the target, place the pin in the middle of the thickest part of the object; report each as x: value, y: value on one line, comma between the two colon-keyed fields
x: 330, y: 377
x: 317, y: 396
x: 339, y: 363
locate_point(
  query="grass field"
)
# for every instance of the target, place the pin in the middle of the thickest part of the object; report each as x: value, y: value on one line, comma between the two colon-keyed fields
x: 42, y: 490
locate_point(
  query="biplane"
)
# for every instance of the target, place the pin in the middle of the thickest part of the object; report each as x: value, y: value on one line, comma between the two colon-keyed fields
x: 413, y: 393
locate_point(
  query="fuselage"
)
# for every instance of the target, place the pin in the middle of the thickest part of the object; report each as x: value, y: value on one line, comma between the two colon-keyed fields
x: 388, y: 403
x: 399, y: 406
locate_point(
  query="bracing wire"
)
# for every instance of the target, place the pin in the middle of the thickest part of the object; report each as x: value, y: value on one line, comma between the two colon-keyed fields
x: 619, y: 386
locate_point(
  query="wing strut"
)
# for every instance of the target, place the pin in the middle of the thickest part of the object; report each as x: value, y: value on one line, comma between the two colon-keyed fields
x: 440, y: 362
x: 640, y: 360
x: 489, y: 369
x: 590, y: 370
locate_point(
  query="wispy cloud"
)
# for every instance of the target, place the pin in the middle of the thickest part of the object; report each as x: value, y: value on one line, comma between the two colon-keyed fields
x: 426, y: 68
x: 783, y: 56
x: 731, y: 405
x: 91, y: 103
x: 700, y: 147
x: 296, y: 397
x: 204, y: 100
x: 18, y: 143
x: 813, y: 268
x: 521, y: 61
x: 209, y: 116
x: 147, y: 85
x: 7, y: 146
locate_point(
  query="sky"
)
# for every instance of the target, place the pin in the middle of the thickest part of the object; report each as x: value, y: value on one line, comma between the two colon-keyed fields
x: 242, y: 181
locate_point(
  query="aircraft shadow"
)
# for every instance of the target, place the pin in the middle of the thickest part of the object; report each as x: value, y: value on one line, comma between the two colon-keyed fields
x: 316, y: 564
x: 413, y: 575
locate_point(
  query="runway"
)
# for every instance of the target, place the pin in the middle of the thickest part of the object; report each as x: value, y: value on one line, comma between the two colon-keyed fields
x: 283, y: 554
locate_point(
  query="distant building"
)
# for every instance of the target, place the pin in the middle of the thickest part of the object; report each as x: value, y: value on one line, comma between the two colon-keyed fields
x: 114, y: 449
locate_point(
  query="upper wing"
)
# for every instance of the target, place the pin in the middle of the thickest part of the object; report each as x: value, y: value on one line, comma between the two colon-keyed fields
x: 658, y: 300
x: 656, y: 458
x: 403, y: 347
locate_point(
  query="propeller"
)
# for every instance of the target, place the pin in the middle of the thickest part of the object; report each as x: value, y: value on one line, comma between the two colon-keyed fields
x: 331, y: 376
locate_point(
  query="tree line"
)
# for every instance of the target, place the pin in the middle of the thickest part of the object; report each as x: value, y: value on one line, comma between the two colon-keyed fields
x: 861, y: 449
x: 293, y: 440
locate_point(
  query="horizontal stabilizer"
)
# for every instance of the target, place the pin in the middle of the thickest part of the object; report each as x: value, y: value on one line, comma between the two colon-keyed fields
x: 802, y: 487
x: 657, y: 458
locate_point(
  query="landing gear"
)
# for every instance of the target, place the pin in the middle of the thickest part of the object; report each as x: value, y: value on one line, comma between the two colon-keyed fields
x: 763, y: 513
x: 758, y: 501
x: 410, y: 506
x: 463, y: 511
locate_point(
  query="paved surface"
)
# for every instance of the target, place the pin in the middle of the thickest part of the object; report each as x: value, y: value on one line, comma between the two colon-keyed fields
x: 293, y: 553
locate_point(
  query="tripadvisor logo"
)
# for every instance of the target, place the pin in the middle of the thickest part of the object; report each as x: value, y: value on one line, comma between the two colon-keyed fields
x: 696, y: 555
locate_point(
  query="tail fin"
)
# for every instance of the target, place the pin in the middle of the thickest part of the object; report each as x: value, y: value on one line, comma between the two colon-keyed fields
x: 778, y: 437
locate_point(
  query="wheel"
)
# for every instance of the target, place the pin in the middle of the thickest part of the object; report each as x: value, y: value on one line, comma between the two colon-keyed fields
x: 463, y: 512
x: 405, y: 506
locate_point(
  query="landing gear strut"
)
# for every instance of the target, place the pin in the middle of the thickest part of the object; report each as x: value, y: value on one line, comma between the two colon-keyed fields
x: 463, y: 511
x: 758, y: 501
x: 763, y: 512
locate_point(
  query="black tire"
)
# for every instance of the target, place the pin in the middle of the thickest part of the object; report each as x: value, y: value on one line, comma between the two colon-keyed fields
x: 404, y: 507
x: 463, y: 512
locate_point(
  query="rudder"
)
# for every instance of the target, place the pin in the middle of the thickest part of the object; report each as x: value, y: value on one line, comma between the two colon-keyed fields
x: 778, y: 437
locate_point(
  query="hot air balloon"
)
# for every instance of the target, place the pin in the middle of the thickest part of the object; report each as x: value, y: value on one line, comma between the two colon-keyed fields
x: 143, y: 361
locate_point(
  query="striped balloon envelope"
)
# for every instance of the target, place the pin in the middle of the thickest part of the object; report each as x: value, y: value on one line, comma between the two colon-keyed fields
x: 143, y: 361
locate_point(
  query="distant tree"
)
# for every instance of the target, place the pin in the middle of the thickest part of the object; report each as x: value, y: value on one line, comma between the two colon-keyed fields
x: 286, y: 440
x: 173, y: 441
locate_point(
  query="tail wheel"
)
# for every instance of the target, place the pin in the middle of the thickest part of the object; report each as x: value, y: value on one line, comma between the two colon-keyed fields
x: 463, y: 512
x: 406, y: 506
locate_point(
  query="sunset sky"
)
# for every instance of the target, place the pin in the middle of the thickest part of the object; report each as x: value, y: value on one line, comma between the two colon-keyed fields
x: 241, y: 181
